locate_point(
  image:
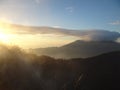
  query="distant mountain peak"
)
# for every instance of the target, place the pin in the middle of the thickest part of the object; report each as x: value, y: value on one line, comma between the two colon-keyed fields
x: 81, y: 42
x: 80, y: 49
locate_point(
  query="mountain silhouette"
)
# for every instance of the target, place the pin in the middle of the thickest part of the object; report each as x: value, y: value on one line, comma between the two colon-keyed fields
x: 102, y: 73
x: 79, y: 49
x: 96, y: 73
x: 26, y: 71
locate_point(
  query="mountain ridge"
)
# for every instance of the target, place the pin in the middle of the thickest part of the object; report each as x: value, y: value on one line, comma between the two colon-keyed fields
x: 79, y: 49
x: 24, y: 71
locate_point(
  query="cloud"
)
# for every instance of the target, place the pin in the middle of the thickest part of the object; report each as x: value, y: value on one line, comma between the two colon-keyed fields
x: 70, y: 9
x: 56, y: 26
x: 100, y: 35
x: 115, y: 22
x: 94, y: 35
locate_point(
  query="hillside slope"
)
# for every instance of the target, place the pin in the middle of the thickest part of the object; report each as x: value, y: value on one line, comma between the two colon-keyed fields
x: 79, y: 49
x: 22, y: 71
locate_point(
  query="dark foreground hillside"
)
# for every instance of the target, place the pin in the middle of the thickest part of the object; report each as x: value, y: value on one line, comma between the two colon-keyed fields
x: 22, y: 71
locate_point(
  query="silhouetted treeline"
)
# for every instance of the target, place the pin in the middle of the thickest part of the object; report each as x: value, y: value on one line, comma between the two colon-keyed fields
x: 25, y: 71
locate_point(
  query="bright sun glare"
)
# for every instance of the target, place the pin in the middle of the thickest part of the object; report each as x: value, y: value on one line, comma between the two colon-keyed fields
x: 4, y: 37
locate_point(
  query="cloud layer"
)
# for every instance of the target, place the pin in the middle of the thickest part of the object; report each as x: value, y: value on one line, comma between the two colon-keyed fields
x: 115, y: 22
x: 94, y: 35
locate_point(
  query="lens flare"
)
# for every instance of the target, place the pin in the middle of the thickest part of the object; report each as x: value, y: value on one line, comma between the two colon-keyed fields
x: 4, y: 33
x: 4, y: 38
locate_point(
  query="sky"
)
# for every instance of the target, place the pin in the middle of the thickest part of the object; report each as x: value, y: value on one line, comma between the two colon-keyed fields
x: 67, y: 14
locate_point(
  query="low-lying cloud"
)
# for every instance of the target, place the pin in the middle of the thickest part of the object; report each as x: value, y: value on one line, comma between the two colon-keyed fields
x: 94, y: 35
x: 117, y: 22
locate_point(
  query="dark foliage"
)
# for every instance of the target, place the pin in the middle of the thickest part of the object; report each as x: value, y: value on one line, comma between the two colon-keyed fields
x: 23, y: 71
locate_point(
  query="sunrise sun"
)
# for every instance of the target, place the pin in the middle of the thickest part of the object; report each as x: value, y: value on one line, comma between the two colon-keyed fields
x: 4, y: 37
